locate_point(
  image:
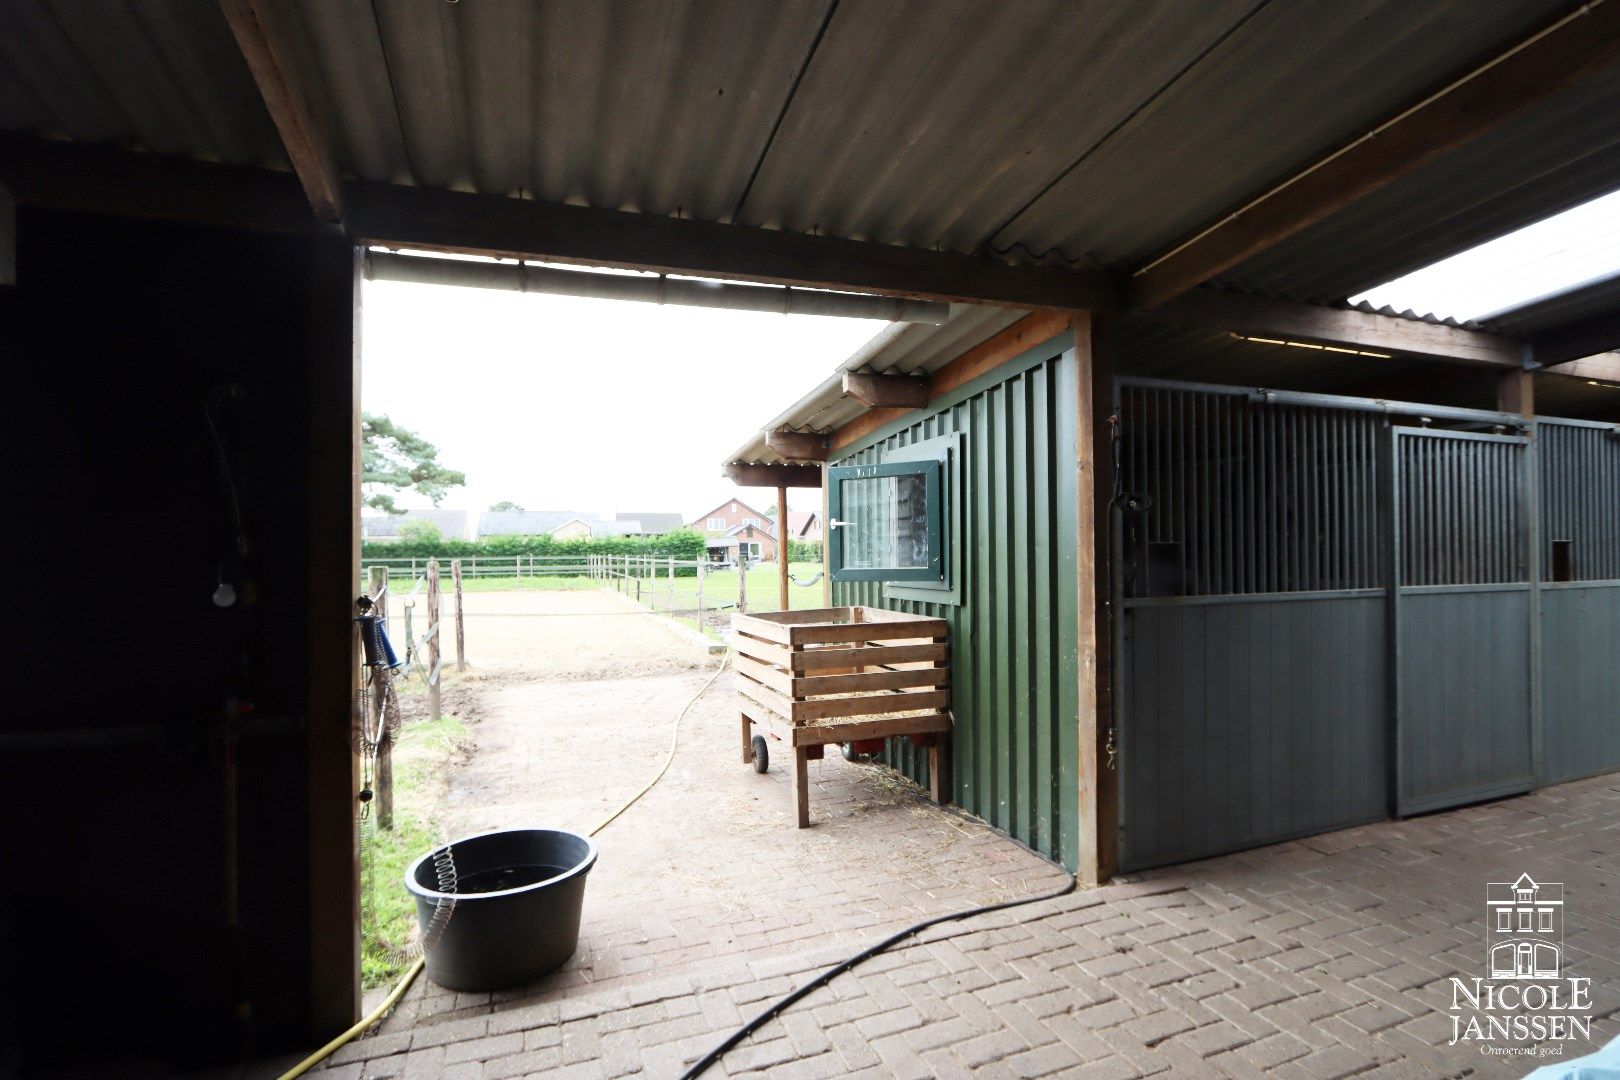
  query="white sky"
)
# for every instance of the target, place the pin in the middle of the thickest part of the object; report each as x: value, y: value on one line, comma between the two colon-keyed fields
x: 1552, y: 256
x: 559, y: 403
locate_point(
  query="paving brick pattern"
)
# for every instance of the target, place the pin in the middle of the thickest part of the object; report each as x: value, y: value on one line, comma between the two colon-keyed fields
x: 1326, y: 957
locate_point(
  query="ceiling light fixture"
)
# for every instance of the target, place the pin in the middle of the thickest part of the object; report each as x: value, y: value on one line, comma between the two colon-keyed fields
x: 1308, y: 345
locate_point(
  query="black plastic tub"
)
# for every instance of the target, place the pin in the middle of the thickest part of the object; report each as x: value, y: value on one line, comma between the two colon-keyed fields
x: 517, y: 905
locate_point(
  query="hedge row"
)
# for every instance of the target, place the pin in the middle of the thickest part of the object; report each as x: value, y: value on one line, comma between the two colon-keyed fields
x: 682, y: 544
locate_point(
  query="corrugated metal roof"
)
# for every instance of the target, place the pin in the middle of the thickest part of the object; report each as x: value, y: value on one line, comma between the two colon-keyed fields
x: 1546, y: 161
x: 1293, y: 82
x: 160, y: 75
x: 1594, y: 299
x: 902, y: 348
x: 1105, y: 130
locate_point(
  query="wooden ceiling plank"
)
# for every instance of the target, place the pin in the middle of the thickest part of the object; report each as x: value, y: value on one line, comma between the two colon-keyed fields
x: 439, y: 220
x: 1363, y: 331
x: 1604, y: 367
x: 1577, y: 340
x: 887, y: 391
x: 303, y: 136
x: 798, y: 445
x: 798, y: 476
x: 1491, y: 93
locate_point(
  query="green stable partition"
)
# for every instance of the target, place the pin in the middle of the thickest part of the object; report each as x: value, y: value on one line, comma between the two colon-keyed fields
x: 1010, y: 598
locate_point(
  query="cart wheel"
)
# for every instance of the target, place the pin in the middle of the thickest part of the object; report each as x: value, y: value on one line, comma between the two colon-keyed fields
x: 762, y: 754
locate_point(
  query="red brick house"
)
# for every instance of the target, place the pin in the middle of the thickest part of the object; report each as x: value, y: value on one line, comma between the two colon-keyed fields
x: 735, y: 524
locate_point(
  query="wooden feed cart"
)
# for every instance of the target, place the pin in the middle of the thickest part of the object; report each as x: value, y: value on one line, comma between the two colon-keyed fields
x: 849, y: 675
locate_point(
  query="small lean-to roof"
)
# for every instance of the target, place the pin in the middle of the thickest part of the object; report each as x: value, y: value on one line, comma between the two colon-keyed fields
x: 899, y: 348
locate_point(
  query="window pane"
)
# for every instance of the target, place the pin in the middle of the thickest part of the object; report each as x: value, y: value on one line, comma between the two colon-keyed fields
x: 887, y: 522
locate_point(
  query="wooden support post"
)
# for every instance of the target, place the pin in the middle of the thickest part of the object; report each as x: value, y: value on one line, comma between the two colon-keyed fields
x: 377, y: 588
x: 782, y: 548
x: 701, y: 569
x: 801, y: 787
x: 8, y: 238
x: 939, y: 768
x: 826, y: 540
x: 434, y: 637
x: 742, y: 578
x: 461, y: 638
x: 331, y: 778
x: 1094, y: 381
x: 747, y: 740
x: 1516, y: 393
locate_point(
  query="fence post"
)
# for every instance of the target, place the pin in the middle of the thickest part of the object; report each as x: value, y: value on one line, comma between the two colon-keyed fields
x: 377, y: 588
x: 461, y: 641
x: 672, y: 585
x: 742, y: 579
x: 700, y: 571
x: 434, y: 637
x: 517, y: 569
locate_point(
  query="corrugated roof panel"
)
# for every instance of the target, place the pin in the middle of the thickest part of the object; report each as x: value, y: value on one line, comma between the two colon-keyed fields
x: 1538, y: 164
x: 646, y: 105
x: 910, y: 348
x: 1297, y: 81
x: 1594, y: 299
x: 933, y: 123
x: 161, y: 75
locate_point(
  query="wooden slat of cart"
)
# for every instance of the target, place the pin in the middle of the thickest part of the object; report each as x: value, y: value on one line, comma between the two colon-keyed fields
x: 784, y: 682
x: 899, y: 679
x: 804, y: 711
x: 843, y: 731
x: 764, y: 651
x: 865, y: 656
x: 828, y: 633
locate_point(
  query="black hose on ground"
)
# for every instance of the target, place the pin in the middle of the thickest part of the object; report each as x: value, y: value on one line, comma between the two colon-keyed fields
x: 781, y: 1004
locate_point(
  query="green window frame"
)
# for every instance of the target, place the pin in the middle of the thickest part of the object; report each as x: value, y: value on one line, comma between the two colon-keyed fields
x: 932, y: 567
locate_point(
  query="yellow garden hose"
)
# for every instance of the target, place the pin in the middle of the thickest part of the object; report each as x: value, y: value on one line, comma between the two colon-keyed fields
x: 415, y: 969
x: 370, y: 1018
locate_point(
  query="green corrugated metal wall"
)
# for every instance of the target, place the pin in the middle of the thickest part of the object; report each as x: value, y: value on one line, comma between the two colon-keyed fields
x: 1015, y: 679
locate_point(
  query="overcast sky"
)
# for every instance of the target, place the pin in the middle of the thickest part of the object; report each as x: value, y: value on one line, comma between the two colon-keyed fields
x: 563, y: 404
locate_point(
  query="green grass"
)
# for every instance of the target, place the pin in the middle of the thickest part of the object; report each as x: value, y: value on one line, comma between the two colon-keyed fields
x: 720, y: 587
x: 420, y: 756
x: 400, y: 585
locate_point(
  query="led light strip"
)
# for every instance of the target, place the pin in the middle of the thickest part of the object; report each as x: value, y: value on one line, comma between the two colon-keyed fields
x: 1307, y: 345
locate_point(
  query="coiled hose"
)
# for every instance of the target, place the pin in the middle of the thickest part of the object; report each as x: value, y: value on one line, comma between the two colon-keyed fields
x: 415, y: 969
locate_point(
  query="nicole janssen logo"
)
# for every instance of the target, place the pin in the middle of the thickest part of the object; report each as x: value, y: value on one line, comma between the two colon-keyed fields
x: 1524, y: 998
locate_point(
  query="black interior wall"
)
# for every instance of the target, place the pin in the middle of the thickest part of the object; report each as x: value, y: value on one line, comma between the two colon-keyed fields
x: 113, y: 338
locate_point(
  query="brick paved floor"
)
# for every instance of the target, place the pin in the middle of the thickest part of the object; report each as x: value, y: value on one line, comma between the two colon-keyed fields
x: 1320, y: 958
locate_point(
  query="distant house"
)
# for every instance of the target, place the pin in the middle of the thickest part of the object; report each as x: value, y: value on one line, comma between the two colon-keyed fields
x: 574, y: 524
x: 655, y: 523
x: 734, y: 527
x: 804, y: 525
x: 574, y: 529
x: 385, y: 528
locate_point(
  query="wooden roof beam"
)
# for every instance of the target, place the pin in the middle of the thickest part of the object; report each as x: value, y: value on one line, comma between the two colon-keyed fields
x: 799, y: 476
x: 1364, y: 331
x: 286, y: 97
x: 1604, y: 367
x: 1489, y: 94
x: 798, y: 445
x: 1577, y: 340
x: 887, y: 391
x: 441, y: 220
